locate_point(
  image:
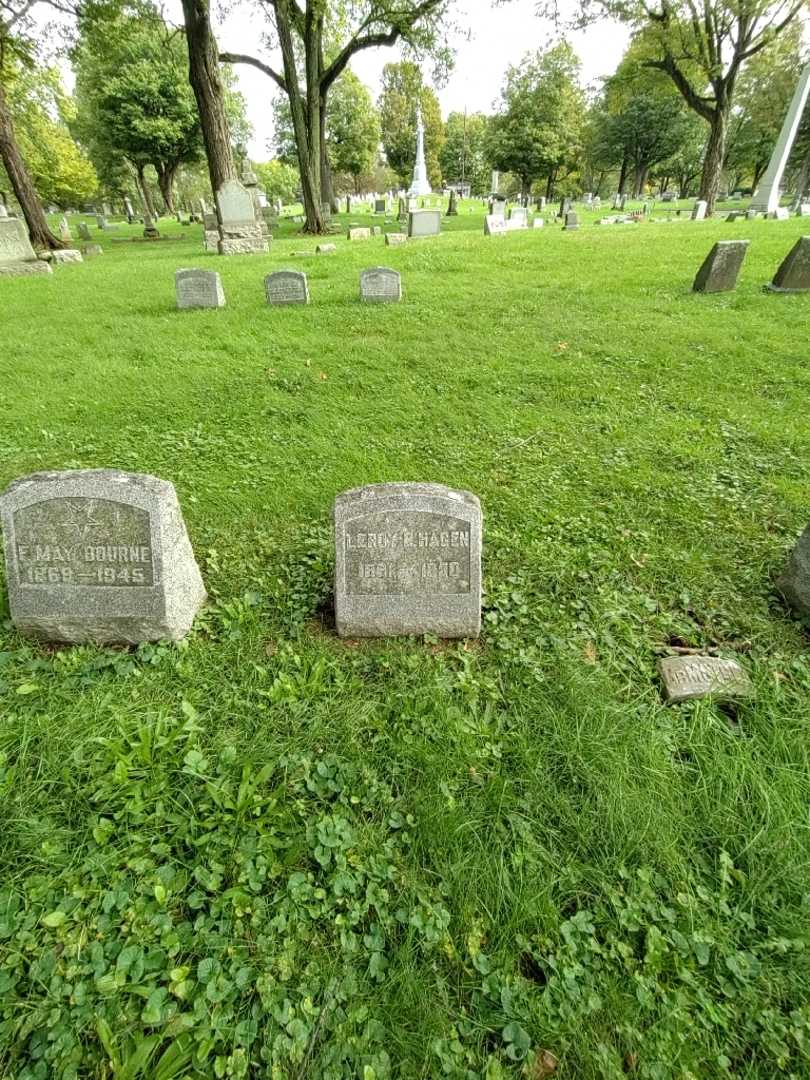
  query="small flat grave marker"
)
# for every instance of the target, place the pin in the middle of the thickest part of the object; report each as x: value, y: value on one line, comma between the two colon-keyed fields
x: 394, y: 239
x: 408, y: 561
x: 92, y: 249
x: 721, y: 267
x: 198, y: 289
x: 688, y: 677
x: 793, y: 274
x: 286, y: 287
x: 380, y: 285
x: 325, y: 249
x: 98, y: 555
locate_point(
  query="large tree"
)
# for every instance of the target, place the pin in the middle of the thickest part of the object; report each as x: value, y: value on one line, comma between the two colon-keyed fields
x: 702, y: 46
x: 463, y: 158
x: 352, y: 128
x: 132, y: 85
x: 316, y: 40
x: 537, y: 130
x: 402, y: 90
x: 17, y: 48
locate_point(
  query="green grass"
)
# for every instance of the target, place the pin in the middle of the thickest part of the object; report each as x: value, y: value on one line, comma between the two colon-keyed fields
x: 269, y: 853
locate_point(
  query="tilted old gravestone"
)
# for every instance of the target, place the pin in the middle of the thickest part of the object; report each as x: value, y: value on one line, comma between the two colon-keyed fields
x: 699, y: 210
x: 794, y: 584
x: 286, y: 287
x: 494, y: 225
x: 721, y: 267
x: 688, y: 677
x: 380, y: 285
x: 17, y: 257
x: 424, y: 222
x: 98, y: 555
x: 408, y: 561
x: 198, y: 289
x: 793, y: 274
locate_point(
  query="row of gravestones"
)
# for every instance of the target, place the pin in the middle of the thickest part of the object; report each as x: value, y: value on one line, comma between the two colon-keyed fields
x: 103, y: 556
x: 203, y: 288
x: 721, y: 267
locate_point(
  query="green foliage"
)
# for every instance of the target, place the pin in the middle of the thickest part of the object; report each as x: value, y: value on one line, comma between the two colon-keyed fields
x: 279, y: 180
x: 464, y: 154
x: 537, y: 130
x: 402, y: 88
x: 41, y: 111
x: 352, y: 128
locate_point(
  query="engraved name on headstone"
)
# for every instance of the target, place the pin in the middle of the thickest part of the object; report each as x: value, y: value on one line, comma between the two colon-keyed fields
x: 198, y: 289
x: 98, y: 555
x: 379, y: 285
x: 689, y: 677
x: 286, y: 287
x: 408, y: 561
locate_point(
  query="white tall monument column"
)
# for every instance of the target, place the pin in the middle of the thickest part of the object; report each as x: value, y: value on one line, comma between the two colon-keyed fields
x: 767, y: 196
x: 420, y: 184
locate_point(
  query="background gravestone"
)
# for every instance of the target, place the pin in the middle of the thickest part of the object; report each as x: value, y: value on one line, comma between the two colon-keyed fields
x: 84, y: 232
x: 408, y: 561
x: 424, y: 222
x: 198, y: 289
x: 98, y: 555
x: 239, y: 231
x: 17, y: 257
x: 393, y: 239
x: 359, y: 233
x: 286, y: 287
x: 793, y: 274
x: 721, y: 267
x: 380, y: 285
x: 571, y: 220
x: 699, y: 210
x: 494, y: 225
x: 794, y: 584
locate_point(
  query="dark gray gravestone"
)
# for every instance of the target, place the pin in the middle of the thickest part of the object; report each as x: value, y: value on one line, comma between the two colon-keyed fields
x: 793, y: 274
x: 571, y: 220
x: 380, y: 285
x: 98, y: 555
x: 688, y: 677
x: 794, y: 584
x: 84, y: 232
x: 286, y: 287
x: 198, y: 289
x: 408, y: 561
x: 721, y: 267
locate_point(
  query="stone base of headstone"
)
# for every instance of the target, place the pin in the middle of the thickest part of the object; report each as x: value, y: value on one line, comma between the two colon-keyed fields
x: 98, y: 556
x: 242, y: 240
x: 25, y: 268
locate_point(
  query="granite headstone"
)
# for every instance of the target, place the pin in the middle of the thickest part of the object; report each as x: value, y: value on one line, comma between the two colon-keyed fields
x: 721, y: 267
x: 380, y: 285
x: 794, y: 584
x: 286, y: 287
x: 793, y: 274
x: 198, y: 289
x: 688, y: 677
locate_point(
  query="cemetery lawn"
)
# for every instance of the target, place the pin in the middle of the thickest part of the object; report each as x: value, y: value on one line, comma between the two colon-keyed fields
x: 267, y: 852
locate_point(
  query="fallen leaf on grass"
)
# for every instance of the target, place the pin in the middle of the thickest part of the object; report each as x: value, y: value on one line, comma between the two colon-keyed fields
x: 544, y: 1065
x: 591, y: 655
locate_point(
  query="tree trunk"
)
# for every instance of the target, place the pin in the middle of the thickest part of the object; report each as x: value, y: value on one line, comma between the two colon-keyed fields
x: 713, y: 159
x: 146, y: 194
x: 623, y: 175
x: 203, y: 61
x: 166, y: 175
x: 327, y: 187
x: 23, y: 186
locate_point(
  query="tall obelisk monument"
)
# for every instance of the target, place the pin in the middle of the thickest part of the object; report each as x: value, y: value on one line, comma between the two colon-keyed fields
x: 420, y: 184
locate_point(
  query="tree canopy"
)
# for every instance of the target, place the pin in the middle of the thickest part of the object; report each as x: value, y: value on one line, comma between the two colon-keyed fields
x: 402, y: 89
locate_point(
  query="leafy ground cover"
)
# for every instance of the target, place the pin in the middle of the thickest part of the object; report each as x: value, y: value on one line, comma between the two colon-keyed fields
x: 269, y: 853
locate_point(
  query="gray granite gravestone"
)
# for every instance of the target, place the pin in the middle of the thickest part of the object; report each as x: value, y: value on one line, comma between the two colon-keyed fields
x: 394, y: 239
x: 380, y: 285
x: 793, y: 274
x: 519, y: 217
x: 688, y: 677
x: 408, y: 561
x: 17, y: 257
x: 359, y: 233
x: 98, y: 555
x: 424, y: 222
x: 794, y: 584
x: 286, y: 287
x: 538, y: 223
x: 64, y: 230
x: 721, y: 267
x: 239, y: 231
x: 198, y: 289
x: 494, y: 225
x: 571, y: 220
x: 380, y: 206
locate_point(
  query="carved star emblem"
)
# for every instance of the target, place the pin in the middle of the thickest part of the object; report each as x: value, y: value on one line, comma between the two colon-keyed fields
x: 80, y: 519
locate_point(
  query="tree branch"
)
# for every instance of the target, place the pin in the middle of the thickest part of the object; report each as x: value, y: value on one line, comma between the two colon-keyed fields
x: 240, y: 58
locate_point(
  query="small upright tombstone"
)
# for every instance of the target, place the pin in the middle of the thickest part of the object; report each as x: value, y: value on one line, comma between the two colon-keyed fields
x: 424, y: 222
x: 198, y: 289
x: 3, y: 210
x: 794, y: 583
x: 380, y: 285
x: 571, y: 220
x: 101, y: 221
x: 793, y: 274
x: 394, y: 239
x: 452, y: 205
x: 688, y: 677
x: 494, y: 225
x: 721, y: 267
x: 408, y: 561
x: 380, y: 206
x: 519, y: 217
x: 325, y: 249
x: 98, y: 555
x: 84, y: 232
x: 150, y: 230
x: 699, y: 210
x: 538, y: 223
x: 359, y: 233
x: 17, y: 257
x: 64, y: 231
x: 92, y: 249
x: 286, y: 287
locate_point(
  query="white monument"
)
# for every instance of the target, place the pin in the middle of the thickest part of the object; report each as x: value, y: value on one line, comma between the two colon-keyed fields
x: 767, y: 196
x: 420, y: 185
